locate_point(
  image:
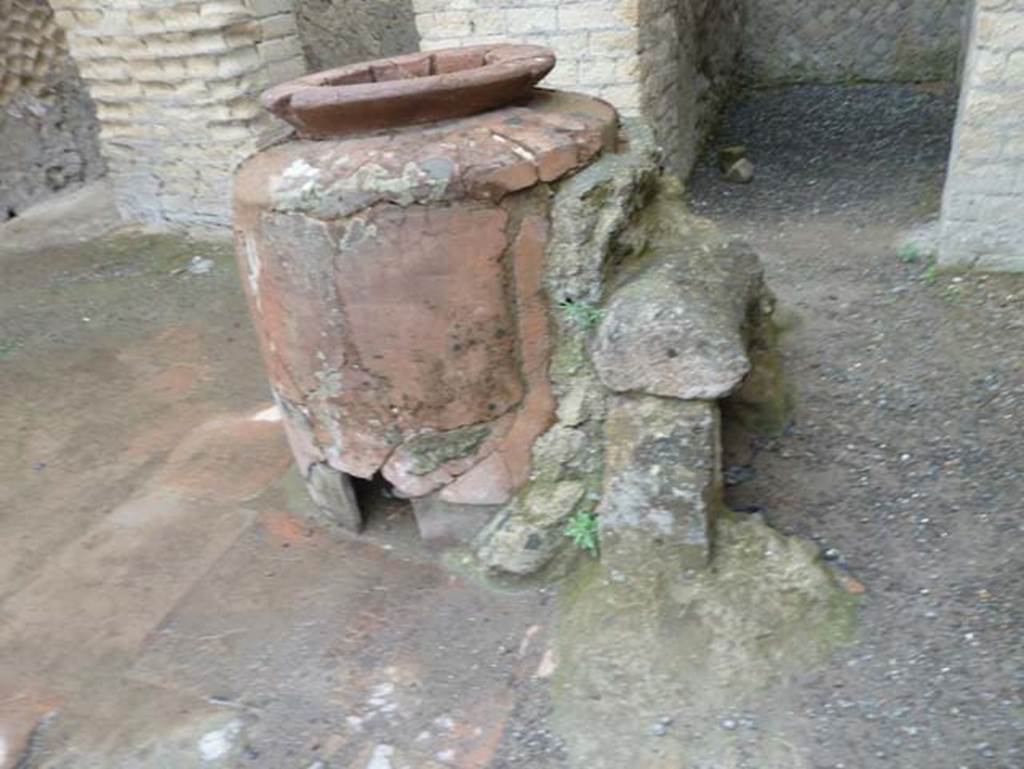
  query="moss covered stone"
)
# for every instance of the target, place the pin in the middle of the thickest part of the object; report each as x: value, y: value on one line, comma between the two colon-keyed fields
x: 431, y: 450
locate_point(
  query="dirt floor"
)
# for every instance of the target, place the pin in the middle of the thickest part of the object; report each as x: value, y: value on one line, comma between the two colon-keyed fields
x: 166, y: 601
x: 905, y: 460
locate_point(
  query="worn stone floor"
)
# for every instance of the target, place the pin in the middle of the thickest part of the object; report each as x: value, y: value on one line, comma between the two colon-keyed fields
x: 164, y: 600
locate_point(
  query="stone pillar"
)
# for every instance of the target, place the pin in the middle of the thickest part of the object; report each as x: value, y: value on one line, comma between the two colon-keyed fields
x: 175, y: 84
x: 47, y: 122
x: 983, y: 203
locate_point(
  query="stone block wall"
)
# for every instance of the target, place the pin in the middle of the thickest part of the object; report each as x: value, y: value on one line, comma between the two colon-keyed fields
x: 48, y: 133
x: 983, y: 205
x: 339, y: 32
x: 667, y: 60
x: 175, y: 84
x: 689, y: 54
x: 837, y: 40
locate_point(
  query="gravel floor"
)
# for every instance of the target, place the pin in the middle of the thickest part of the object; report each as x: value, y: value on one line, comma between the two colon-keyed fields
x: 905, y: 458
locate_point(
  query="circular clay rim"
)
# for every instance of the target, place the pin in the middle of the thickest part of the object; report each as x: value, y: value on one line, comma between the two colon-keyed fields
x: 408, y: 90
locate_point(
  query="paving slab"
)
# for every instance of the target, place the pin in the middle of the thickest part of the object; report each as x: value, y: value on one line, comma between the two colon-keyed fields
x: 347, y: 644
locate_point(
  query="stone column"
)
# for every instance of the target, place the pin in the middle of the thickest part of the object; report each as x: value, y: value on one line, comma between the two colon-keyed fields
x: 175, y: 85
x: 983, y: 204
x: 48, y: 130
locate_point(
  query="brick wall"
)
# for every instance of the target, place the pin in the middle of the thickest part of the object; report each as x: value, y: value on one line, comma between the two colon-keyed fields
x: 597, y: 41
x: 983, y: 205
x: 837, y: 40
x: 48, y: 134
x: 667, y: 60
x: 175, y: 85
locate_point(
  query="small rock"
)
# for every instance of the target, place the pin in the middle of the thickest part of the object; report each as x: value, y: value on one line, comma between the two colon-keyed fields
x: 528, y: 537
x: 659, y: 730
x: 548, y: 664
x: 734, y: 475
x: 218, y: 743
x: 728, y: 156
x: 740, y: 172
x: 851, y: 585
x: 381, y: 758
x: 729, y: 725
x: 200, y: 266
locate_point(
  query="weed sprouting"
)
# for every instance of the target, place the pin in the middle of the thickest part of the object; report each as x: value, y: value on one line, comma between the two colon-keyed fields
x: 581, y: 314
x: 583, y: 531
x: 7, y: 346
x: 910, y: 253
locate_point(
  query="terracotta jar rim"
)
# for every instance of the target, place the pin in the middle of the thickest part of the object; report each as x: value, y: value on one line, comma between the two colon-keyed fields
x: 408, y: 90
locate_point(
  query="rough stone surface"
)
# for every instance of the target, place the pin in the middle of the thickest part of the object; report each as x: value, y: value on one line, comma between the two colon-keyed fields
x: 680, y: 308
x: 444, y: 523
x: 592, y: 222
x: 673, y: 284
x: 339, y: 32
x: 662, y: 482
x: 983, y: 203
x: 677, y: 328
x: 692, y: 645
x: 763, y: 403
x: 689, y: 56
x: 431, y: 460
x: 837, y: 40
x: 333, y: 494
x: 48, y: 127
x: 525, y: 536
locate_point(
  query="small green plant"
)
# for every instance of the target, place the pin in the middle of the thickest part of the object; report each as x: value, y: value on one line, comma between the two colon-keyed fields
x: 931, y: 273
x: 7, y: 346
x: 910, y: 253
x: 582, y: 314
x: 583, y: 532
